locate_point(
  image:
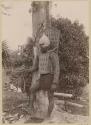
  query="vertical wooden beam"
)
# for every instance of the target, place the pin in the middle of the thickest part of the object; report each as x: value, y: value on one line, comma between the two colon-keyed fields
x: 40, y: 15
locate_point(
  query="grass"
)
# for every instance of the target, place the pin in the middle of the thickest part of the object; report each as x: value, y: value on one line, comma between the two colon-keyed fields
x: 11, y: 100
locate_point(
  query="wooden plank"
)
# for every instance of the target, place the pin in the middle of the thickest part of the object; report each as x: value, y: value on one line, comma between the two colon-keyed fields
x: 75, y: 104
x: 65, y: 95
x: 69, y: 103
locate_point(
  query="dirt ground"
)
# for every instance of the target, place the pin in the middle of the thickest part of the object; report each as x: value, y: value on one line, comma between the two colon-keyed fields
x: 15, y: 107
x: 15, y: 111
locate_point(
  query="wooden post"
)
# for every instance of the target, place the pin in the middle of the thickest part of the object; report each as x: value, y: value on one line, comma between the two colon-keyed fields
x: 40, y: 15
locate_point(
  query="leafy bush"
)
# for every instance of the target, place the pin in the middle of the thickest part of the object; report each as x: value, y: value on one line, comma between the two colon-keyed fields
x: 20, y: 77
x: 73, y: 54
x: 5, y: 54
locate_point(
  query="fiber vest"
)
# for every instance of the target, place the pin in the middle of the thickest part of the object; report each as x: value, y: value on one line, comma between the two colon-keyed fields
x: 45, y: 64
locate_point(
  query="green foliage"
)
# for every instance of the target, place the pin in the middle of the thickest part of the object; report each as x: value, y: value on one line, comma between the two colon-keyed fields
x: 73, y: 54
x: 20, y: 77
x: 16, y: 60
x: 23, y: 58
x: 28, y: 53
x: 5, y: 54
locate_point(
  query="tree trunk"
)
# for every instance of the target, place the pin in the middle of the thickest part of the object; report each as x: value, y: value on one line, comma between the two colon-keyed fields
x: 39, y: 16
x: 41, y: 102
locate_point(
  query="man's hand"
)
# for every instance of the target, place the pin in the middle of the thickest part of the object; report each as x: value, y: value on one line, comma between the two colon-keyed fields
x: 25, y: 69
x: 29, y: 70
x: 54, y: 87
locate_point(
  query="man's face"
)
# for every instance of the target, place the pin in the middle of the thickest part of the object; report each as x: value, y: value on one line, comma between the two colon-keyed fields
x: 43, y: 48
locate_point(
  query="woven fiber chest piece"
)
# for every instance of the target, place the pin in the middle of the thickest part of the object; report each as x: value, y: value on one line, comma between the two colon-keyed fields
x: 45, y: 65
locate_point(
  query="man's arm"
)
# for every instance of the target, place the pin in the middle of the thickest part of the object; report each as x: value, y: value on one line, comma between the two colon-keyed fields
x: 56, y: 68
x: 35, y: 64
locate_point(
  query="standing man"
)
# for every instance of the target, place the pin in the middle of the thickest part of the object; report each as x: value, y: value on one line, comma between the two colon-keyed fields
x: 47, y: 64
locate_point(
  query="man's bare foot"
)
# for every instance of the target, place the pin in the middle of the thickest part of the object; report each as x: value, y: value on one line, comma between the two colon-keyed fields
x: 28, y: 119
x: 47, y: 118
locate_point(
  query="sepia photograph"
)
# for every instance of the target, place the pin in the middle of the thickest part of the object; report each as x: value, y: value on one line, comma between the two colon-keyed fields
x: 45, y: 61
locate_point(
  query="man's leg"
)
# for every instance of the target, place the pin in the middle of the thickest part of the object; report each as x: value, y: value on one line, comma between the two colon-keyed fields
x: 51, y: 102
x: 33, y: 90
